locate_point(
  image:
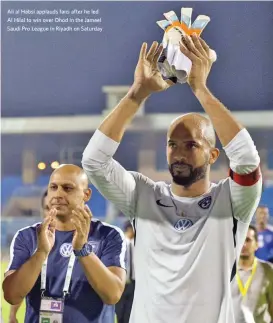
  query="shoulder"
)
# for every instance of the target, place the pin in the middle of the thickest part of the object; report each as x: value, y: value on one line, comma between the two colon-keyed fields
x: 107, y: 231
x: 267, y: 266
x: 222, y: 184
x: 269, y: 231
x: 27, y: 232
x: 140, y: 178
x: 146, y: 183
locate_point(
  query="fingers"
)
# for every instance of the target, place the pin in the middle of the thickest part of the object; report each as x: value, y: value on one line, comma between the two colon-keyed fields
x: 49, y: 222
x: 52, y: 225
x: 204, y: 45
x: 158, y: 53
x: 88, y: 211
x: 152, y: 51
x: 52, y: 213
x: 83, y: 216
x: 143, y: 51
x: 189, y: 53
x: 45, y: 223
x: 170, y: 82
x: 77, y: 223
x: 153, y: 54
x: 199, y: 47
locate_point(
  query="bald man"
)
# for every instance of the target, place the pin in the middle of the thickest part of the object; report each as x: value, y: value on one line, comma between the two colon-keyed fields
x: 188, y: 234
x: 70, y: 268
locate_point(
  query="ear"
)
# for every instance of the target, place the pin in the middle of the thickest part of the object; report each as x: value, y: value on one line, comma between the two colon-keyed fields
x: 214, y: 154
x: 87, y: 194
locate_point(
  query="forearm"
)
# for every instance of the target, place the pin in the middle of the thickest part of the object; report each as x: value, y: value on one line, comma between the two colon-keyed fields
x: 225, y: 125
x: 18, y: 284
x: 114, y: 125
x: 107, y: 285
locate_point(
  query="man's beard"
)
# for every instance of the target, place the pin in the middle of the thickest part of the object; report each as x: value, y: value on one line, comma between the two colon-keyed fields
x: 195, y: 174
x: 244, y: 257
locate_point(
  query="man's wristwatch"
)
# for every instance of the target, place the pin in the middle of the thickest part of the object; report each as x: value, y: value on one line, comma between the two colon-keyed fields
x: 85, y: 251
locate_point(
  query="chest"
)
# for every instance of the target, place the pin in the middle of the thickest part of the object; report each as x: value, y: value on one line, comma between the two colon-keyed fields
x: 265, y: 240
x: 58, y: 261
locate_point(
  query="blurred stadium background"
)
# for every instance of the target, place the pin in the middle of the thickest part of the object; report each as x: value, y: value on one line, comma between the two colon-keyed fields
x: 57, y: 87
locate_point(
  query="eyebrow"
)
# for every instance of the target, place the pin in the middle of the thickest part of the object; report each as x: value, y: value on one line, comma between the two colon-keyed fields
x: 186, y: 141
x: 63, y: 184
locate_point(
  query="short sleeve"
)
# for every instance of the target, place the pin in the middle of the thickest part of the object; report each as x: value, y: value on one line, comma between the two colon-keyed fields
x: 114, y: 251
x: 19, y: 252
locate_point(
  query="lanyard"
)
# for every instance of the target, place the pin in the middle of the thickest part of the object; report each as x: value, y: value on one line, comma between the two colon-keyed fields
x: 67, y: 277
x: 244, y: 288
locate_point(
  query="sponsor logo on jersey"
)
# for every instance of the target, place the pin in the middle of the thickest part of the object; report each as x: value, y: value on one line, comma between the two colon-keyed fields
x: 205, y: 203
x: 183, y: 224
x: 66, y: 249
x: 160, y: 204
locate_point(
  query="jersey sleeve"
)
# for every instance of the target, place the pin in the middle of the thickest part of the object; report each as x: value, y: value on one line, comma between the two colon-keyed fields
x: 19, y: 252
x: 112, y: 180
x: 114, y: 252
x: 245, y: 177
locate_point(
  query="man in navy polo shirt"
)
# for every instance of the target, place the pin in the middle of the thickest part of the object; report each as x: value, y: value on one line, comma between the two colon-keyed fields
x: 70, y: 268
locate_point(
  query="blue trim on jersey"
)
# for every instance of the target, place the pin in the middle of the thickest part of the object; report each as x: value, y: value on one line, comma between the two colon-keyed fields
x: 83, y: 304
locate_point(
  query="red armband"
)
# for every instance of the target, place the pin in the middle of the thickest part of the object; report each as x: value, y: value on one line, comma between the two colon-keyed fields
x: 246, y: 179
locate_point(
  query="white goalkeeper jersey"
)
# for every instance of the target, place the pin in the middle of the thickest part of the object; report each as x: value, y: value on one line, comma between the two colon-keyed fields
x: 185, y: 248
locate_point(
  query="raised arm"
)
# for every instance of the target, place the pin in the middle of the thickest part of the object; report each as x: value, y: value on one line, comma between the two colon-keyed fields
x: 106, y: 174
x: 147, y: 80
x: 224, y: 123
x: 245, y: 175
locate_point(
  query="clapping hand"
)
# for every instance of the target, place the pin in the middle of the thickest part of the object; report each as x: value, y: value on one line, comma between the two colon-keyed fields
x: 81, y: 219
x: 46, y: 232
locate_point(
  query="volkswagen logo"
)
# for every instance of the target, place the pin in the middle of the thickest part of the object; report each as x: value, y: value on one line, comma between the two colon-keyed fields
x: 66, y: 249
x: 183, y: 224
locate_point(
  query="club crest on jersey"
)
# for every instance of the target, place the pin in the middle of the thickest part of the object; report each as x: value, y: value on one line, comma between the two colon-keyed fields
x: 205, y: 203
x: 94, y: 245
x: 183, y: 224
x: 66, y: 249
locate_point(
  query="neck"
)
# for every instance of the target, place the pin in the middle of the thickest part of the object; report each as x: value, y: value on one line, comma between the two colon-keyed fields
x: 64, y: 224
x: 246, y: 263
x: 196, y: 189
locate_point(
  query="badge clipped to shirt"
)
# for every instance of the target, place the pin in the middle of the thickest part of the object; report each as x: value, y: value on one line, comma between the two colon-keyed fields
x: 51, y: 309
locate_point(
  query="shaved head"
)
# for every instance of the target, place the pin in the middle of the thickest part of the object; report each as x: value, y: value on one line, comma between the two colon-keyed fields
x: 66, y: 170
x: 191, y: 148
x: 68, y: 188
x: 196, y: 125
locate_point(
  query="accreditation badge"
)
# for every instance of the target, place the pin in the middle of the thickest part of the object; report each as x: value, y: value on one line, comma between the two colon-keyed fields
x: 51, y: 310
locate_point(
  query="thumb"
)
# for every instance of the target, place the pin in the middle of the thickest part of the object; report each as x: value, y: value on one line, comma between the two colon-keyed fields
x: 170, y: 82
x: 44, y: 225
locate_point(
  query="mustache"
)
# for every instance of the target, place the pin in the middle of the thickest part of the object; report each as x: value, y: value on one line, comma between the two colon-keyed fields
x: 180, y: 163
